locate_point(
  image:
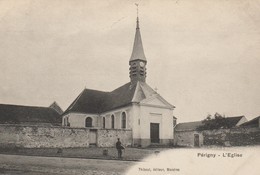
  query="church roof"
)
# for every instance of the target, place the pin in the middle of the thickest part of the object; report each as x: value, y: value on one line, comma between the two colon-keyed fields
x: 89, y: 101
x: 93, y: 101
x: 96, y: 102
x: 138, y: 51
x: 17, y: 114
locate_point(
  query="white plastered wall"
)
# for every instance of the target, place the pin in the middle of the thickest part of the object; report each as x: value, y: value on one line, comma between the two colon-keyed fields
x: 159, y: 115
x: 135, y: 115
x: 77, y: 120
x: 118, y: 120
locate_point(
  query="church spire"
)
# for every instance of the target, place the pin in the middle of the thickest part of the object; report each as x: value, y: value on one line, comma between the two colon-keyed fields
x: 138, y: 51
x: 137, y: 61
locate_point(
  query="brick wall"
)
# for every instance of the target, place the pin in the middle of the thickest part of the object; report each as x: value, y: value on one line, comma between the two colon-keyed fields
x: 58, y: 137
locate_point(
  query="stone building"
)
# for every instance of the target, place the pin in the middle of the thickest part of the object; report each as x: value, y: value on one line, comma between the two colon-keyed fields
x: 190, y: 134
x: 134, y: 106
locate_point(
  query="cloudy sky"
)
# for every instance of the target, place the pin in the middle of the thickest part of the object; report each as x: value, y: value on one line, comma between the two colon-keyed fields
x: 203, y: 55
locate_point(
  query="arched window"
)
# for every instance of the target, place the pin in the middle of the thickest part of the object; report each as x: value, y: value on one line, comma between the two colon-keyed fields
x: 123, y: 120
x: 104, y: 122
x: 88, y: 122
x: 113, y: 121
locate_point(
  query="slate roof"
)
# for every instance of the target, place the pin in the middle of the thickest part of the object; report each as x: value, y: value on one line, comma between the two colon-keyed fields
x: 233, y: 121
x: 96, y: 102
x: 252, y: 123
x: 56, y: 107
x: 17, y: 114
x: 191, y: 126
x: 93, y: 101
x: 138, y: 50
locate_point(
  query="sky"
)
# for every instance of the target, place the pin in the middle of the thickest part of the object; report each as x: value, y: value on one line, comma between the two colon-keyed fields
x: 203, y: 56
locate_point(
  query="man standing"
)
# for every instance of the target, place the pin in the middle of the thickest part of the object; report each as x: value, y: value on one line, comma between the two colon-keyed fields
x: 119, y: 148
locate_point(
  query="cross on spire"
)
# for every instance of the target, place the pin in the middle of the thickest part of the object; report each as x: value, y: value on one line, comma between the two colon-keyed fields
x: 137, y: 13
x: 137, y: 9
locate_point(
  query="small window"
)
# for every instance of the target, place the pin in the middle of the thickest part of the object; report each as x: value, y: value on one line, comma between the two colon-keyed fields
x: 88, y: 122
x: 123, y: 120
x: 112, y: 121
x: 104, y: 122
x: 66, y: 121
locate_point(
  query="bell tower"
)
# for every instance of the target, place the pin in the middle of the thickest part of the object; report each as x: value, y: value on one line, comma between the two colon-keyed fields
x: 137, y: 61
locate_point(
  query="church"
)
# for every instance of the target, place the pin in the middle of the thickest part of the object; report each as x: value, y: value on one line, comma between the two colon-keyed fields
x: 134, y: 106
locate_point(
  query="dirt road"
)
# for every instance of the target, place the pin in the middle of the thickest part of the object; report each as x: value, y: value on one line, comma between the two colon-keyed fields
x: 33, y: 165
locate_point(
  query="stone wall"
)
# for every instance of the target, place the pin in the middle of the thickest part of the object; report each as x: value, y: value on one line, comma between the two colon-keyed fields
x: 219, y: 137
x: 108, y: 137
x: 186, y: 138
x: 232, y: 137
x: 58, y: 137
x: 39, y: 137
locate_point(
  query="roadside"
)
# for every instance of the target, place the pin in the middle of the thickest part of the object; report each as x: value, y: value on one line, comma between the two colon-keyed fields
x: 129, y: 154
x: 53, y: 163
x: 35, y: 165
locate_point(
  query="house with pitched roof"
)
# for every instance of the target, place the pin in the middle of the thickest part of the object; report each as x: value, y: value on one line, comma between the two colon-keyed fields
x: 31, y: 115
x: 192, y: 134
x: 254, y: 123
x: 134, y: 106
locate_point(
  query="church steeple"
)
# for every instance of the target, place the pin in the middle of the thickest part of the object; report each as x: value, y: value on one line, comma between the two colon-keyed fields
x: 137, y: 61
x: 138, y: 51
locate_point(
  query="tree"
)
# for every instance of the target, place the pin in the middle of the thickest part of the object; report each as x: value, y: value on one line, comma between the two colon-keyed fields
x: 213, y: 123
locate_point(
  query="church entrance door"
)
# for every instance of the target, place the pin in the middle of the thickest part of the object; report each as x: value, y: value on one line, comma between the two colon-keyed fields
x: 154, y: 132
